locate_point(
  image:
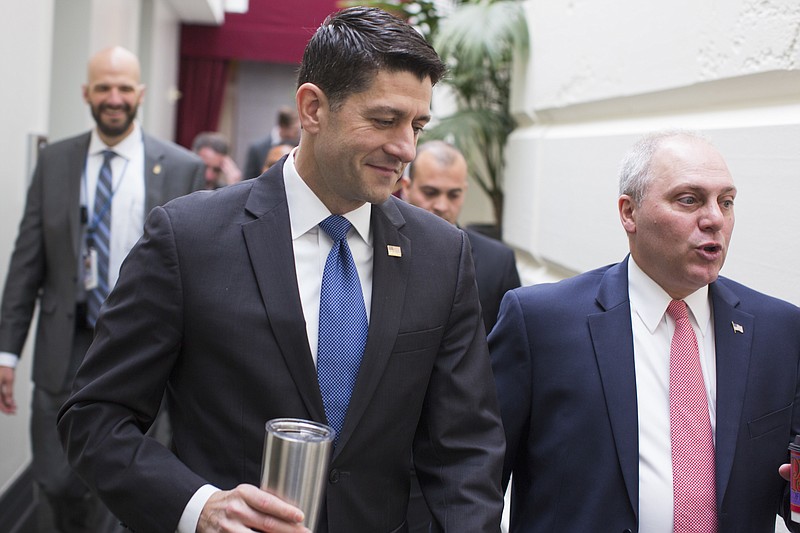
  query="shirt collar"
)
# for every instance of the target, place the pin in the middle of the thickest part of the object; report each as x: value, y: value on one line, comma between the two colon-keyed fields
x: 125, y: 148
x: 650, y: 301
x: 306, y: 211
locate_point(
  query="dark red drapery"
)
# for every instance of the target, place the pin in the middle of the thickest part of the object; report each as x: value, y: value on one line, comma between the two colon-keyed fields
x: 271, y: 31
x: 202, y: 85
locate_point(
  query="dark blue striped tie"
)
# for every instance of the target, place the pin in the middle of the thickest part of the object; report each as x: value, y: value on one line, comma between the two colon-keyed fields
x: 101, y: 237
x: 342, y: 325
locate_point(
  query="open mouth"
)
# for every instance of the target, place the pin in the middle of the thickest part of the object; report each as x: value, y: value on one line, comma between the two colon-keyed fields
x: 712, y: 248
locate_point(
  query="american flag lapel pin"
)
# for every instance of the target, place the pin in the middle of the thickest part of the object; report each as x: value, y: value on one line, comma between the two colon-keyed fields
x: 737, y: 328
x: 394, y: 251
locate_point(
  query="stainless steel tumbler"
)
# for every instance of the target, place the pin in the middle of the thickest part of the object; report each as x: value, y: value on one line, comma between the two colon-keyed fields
x: 295, y: 463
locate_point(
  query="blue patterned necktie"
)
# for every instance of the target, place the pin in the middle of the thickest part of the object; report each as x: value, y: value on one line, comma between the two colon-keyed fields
x: 342, y: 325
x: 101, y: 237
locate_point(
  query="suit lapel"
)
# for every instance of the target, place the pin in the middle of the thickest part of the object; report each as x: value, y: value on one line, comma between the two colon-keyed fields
x: 75, y: 169
x: 153, y: 166
x: 612, y: 336
x: 733, y: 360
x: 269, y: 244
x: 389, y: 278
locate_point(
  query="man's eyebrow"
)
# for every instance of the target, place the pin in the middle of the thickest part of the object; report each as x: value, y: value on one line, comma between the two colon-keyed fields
x: 395, y: 112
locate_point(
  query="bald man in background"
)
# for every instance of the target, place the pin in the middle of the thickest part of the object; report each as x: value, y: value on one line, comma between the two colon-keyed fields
x: 55, y: 262
x: 437, y: 182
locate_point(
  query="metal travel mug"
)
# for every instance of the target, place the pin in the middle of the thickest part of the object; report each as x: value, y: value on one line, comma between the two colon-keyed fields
x: 295, y: 463
x: 794, y: 479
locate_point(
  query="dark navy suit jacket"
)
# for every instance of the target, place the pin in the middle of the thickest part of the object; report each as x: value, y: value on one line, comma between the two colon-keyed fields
x: 562, y: 355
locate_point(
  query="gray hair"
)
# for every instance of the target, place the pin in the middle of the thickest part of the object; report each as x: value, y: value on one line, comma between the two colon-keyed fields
x: 211, y: 139
x: 634, y: 172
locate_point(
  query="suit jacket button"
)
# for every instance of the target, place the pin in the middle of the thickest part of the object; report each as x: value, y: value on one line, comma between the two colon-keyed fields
x: 627, y: 531
x: 334, y: 477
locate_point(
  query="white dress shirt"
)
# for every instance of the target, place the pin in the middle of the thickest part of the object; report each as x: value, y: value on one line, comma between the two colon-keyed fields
x: 127, y: 204
x: 311, y: 247
x: 652, y: 337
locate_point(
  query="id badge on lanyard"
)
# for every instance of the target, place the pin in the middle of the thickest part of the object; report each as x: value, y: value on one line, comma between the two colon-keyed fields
x: 90, y: 268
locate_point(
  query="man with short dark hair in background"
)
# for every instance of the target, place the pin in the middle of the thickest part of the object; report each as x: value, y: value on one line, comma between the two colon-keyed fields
x: 286, y: 131
x: 310, y: 293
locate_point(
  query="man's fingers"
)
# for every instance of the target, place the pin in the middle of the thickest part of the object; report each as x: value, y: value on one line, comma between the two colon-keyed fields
x: 7, y: 403
x: 785, y: 470
x: 270, y: 504
x: 248, y: 508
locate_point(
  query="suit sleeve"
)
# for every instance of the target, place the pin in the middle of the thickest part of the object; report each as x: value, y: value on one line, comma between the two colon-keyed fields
x: 459, y: 446
x: 118, y: 390
x: 25, y: 271
x: 511, y: 365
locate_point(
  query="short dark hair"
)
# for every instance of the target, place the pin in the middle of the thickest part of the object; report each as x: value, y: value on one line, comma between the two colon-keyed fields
x: 211, y: 139
x: 287, y: 117
x: 351, y: 46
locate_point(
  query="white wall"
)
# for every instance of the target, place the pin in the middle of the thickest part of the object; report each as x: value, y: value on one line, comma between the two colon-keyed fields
x: 24, y: 99
x: 262, y: 88
x: 589, y: 89
x: 159, y: 54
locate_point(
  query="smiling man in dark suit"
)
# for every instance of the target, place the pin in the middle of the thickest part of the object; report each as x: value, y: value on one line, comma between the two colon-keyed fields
x: 620, y: 417
x: 55, y: 256
x: 220, y: 304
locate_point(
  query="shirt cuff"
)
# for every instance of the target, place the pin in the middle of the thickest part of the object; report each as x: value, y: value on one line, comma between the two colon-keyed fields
x: 9, y: 359
x: 191, y: 513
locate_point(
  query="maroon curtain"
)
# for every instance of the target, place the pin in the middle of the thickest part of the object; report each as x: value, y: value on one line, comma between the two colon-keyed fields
x: 271, y: 31
x: 202, y: 86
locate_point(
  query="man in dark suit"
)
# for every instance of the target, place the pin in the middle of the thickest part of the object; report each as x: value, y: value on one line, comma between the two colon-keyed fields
x: 437, y: 182
x: 593, y: 394
x: 220, y: 305
x: 286, y: 131
x: 51, y: 259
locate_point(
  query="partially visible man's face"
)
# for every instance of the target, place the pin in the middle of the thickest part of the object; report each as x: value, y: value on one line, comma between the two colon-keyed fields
x: 437, y: 188
x: 113, y: 93
x: 680, y: 233
x: 213, y: 161
x: 362, y: 147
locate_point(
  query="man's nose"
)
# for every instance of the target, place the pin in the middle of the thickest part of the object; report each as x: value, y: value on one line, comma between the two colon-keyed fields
x: 404, y: 145
x: 712, y: 217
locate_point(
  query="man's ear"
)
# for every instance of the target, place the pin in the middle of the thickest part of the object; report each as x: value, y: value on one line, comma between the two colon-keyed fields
x: 85, y: 91
x: 312, y: 107
x: 627, y: 213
